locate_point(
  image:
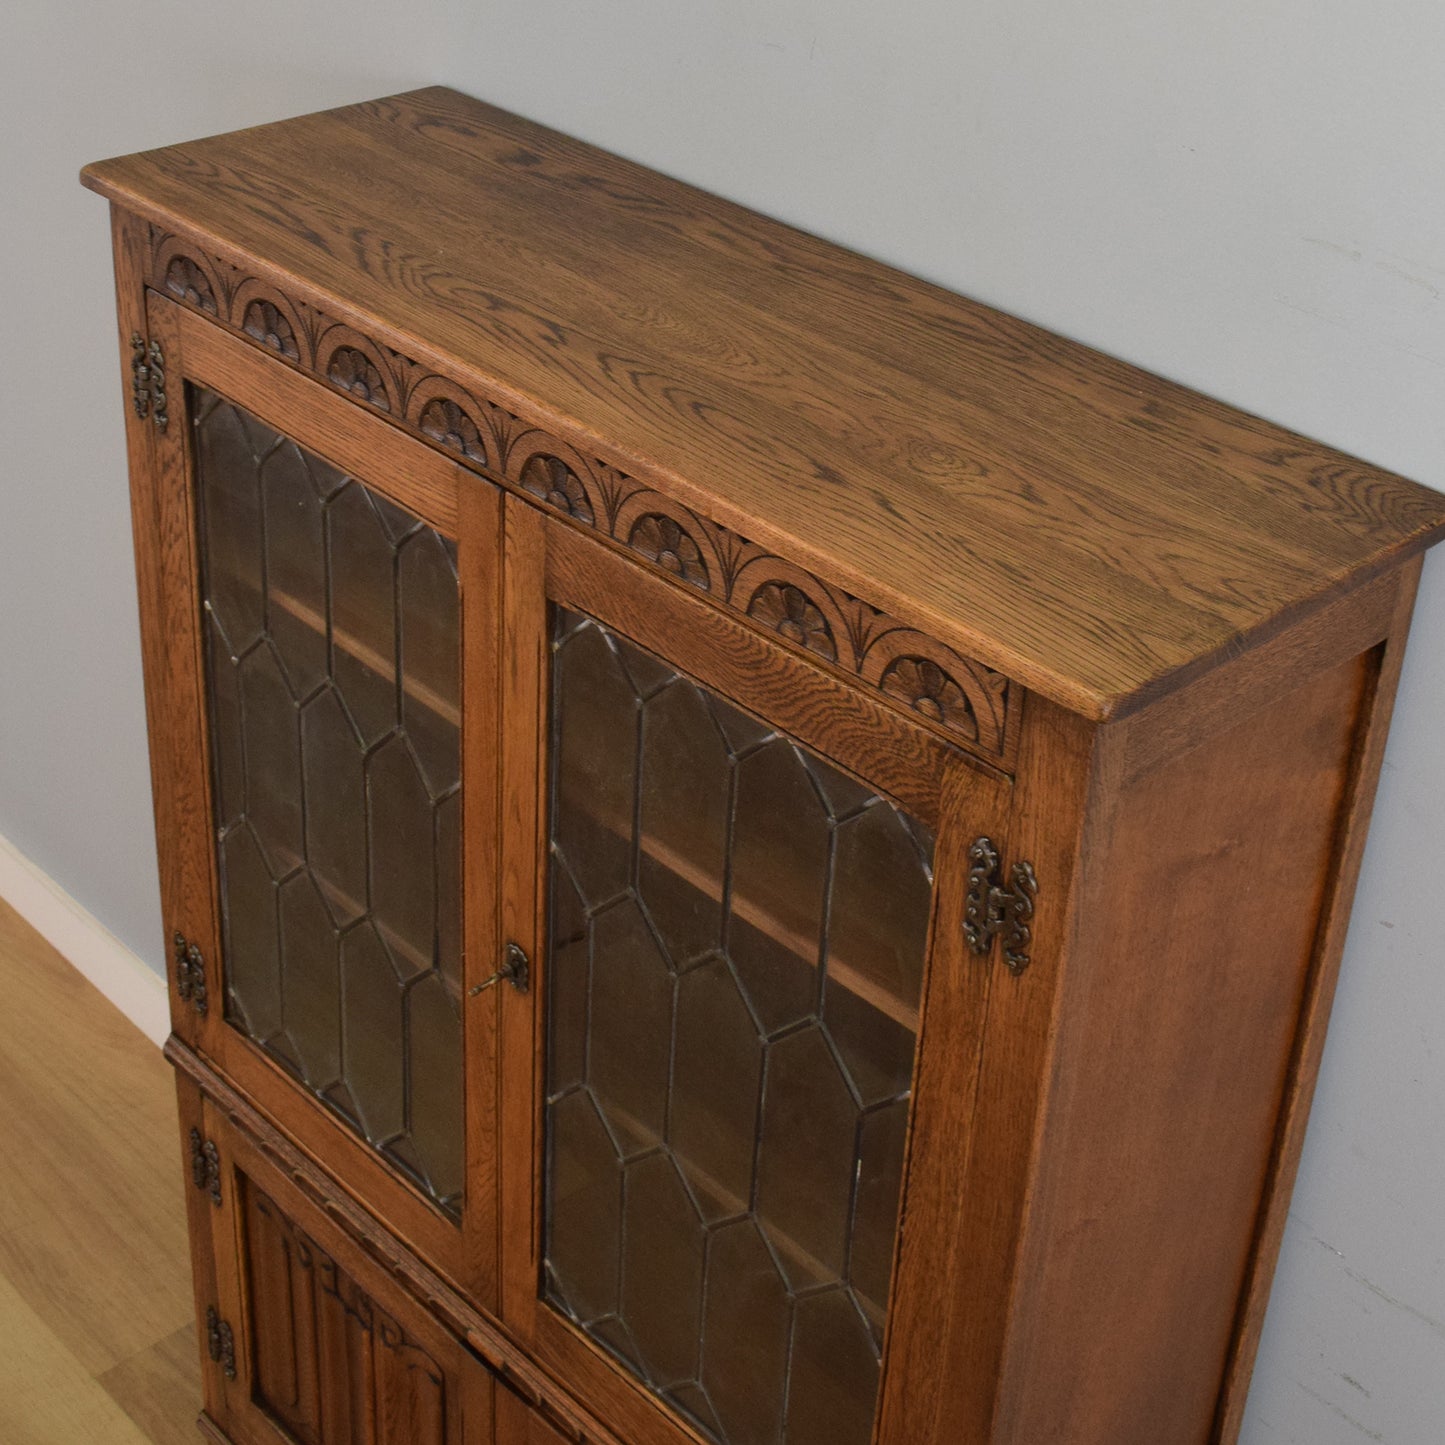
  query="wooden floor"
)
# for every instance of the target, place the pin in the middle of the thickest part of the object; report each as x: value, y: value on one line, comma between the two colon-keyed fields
x: 97, y: 1340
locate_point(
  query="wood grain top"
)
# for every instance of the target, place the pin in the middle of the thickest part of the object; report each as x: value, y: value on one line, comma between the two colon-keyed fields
x: 1096, y: 532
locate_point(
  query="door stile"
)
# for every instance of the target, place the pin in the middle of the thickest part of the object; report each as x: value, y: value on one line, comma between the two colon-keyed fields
x: 957, y: 988
x: 980, y: 1200
x: 227, y: 1346
x: 175, y: 675
x: 479, y: 566
x: 523, y: 874
x: 202, y: 1214
x: 130, y: 244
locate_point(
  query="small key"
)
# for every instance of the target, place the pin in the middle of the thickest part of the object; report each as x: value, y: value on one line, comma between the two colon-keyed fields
x: 514, y: 970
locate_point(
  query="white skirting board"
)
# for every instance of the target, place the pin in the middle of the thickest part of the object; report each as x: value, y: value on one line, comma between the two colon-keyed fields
x: 122, y: 976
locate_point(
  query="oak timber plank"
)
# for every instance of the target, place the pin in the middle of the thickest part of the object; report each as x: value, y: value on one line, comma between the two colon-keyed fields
x: 207, y: 1272
x: 1229, y: 693
x: 172, y: 649
x: 521, y: 1042
x: 792, y: 367
x: 1063, y: 765
x: 1094, y: 531
x: 1203, y: 885
x: 766, y: 262
x: 1374, y: 725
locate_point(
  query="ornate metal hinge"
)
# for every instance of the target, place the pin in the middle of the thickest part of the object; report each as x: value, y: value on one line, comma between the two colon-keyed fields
x: 159, y: 414
x: 148, y: 380
x: 206, y: 1166
x: 190, y: 974
x: 220, y: 1343
x: 995, y: 911
x: 140, y: 376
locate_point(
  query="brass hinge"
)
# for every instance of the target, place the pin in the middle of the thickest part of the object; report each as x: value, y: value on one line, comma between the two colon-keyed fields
x: 220, y: 1343
x: 190, y: 974
x: 995, y: 911
x: 148, y: 380
x: 206, y: 1166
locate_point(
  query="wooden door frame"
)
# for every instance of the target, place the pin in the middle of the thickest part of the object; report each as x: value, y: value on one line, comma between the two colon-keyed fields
x: 223, y: 1234
x: 549, y: 561
x: 454, y: 502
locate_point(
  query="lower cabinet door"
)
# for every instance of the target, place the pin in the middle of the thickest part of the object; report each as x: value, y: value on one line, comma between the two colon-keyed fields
x: 309, y: 1339
x: 519, y: 1424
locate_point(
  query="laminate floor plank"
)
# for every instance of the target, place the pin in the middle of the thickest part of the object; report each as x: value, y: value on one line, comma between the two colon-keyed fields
x: 149, y: 1385
x: 97, y: 1340
x: 106, y: 1287
x: 45, y: 1397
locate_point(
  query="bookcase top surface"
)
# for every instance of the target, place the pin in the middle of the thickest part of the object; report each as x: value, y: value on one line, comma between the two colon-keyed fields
x: 1096, y: 532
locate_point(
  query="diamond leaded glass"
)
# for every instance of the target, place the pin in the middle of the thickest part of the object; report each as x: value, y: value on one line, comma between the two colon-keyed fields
x: 332, y: 658
x: 737, y: 938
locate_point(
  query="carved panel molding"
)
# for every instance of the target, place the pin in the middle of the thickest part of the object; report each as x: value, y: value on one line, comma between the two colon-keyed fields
x: 969, y: 703
x: 330, y: 1364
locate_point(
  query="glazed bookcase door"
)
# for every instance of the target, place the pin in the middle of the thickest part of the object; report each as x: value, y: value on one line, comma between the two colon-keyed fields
x: 332, y: 633
x: 708, y: 1092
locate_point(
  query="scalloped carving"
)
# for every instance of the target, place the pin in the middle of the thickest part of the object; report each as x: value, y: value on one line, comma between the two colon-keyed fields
x: 972, y: 705
x: 185, y: 280
x: 446, y: 422
x: 929, y: 690
x: 551, y: 479
x: 789, y: 612
x: 265, y: 322
x: 351, y: 369
x: 662, y: 540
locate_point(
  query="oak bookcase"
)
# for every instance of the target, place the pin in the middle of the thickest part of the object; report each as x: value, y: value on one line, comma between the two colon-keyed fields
x: 754, y: 851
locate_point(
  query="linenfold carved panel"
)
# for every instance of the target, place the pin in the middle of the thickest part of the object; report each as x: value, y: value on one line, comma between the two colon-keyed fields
x: 425, y: 1289
x: 964, y: 700
x: 329, y: 1363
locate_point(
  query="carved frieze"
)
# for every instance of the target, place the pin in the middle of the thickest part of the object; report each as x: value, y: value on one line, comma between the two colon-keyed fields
x: 969, y: 703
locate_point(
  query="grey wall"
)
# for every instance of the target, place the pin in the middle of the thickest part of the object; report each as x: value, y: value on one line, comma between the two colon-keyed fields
x: 1245, y: 196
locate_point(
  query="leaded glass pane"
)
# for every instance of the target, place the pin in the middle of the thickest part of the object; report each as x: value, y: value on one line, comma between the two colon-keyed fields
x: 332, y: 676
x: 736, y: 946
